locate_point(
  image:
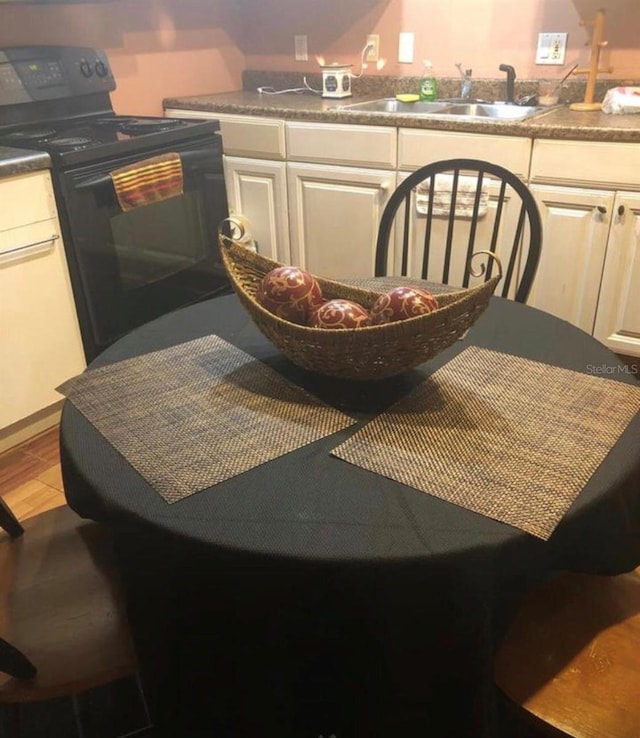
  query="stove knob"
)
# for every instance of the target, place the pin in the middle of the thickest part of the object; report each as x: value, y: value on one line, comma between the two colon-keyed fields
x: 101, y: 69
x: 86, y: 69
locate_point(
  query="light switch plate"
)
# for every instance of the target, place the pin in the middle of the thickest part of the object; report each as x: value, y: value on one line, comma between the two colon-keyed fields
x: 405, y: 48
x: 552, y: 48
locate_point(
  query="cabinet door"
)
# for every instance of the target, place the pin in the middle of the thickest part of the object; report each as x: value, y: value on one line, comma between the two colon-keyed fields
x: 618, y: 319
x: 258, y: 189
x: 334, y: 213
x: 40, y: 345
x: 575, y: 228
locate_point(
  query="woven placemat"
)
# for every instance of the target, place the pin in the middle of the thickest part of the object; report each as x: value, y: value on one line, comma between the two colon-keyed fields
x: 193, y: 415
x: 506, y: 437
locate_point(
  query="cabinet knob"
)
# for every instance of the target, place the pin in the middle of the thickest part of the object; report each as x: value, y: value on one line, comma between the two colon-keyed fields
x: 602, y: 209
x: 620, y: 210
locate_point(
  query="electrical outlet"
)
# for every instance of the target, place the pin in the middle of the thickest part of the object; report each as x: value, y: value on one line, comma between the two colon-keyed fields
x: 552, y: 48
x: 300, y: 43
x: 405, y: 47
x: 373, y: 48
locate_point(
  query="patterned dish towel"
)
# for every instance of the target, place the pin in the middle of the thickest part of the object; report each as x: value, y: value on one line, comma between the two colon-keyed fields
x: 465, y: 196
x: 148, y: 181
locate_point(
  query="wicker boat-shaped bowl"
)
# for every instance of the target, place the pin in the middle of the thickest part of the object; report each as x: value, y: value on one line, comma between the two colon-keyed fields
x: 375, y: 352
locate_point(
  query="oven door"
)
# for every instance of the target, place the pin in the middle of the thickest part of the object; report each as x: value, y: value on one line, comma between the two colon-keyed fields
x: 130, y: 267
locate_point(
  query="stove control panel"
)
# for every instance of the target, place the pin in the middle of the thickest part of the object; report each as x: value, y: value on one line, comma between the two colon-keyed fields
x: 39, y: 73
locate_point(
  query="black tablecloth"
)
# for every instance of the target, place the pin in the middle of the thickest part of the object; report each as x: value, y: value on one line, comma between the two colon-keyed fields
x: 309, y: 596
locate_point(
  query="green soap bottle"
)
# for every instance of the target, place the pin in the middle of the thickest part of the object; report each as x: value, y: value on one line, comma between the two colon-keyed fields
x: 428, y: 85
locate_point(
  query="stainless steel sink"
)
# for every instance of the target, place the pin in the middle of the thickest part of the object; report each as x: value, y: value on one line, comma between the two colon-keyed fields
x: 492, y: 110
x: 477, y: 110
x: 391, y: 105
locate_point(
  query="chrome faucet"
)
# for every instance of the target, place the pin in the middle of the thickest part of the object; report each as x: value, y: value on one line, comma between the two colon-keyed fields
x: 511, y: 76
x: 465, y: 87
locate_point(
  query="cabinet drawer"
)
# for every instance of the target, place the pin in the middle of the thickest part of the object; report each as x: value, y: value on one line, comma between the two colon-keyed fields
x: 27, y: 198
x: 366, y: 146
x: 595, y: 164
x: 27, y: 241
x: 40, y: 345
x: 260, y: 138
x: 417, y: 148
x: 243, y: 135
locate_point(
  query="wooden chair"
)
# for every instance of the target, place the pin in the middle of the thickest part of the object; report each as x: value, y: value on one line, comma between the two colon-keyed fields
x: 572, y: 655
x: 62, y: 624
x: 453, y: 208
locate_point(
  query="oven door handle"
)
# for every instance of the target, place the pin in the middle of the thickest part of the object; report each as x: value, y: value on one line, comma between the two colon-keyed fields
x: 187, y: 157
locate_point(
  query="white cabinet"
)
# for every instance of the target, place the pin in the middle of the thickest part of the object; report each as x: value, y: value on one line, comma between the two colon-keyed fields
x: 335, y: 205
x: 40, y: 344
x: 590, y: 268
x: 334, y: 215
x: 255, y: 176
x: 575, y: 226
x: 323, y: 209
x: 339, y: 177
x: 258, y: 188
x: 618, y: 318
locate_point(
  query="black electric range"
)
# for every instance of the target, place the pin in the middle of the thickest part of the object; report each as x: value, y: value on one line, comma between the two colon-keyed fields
x: 126, y: 267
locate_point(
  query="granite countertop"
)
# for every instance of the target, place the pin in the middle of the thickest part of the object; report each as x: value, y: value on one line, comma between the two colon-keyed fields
x: 19, y: 161
x: 557, y: 123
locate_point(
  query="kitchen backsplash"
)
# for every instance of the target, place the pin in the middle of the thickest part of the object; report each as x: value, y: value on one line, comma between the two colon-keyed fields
x: 388, y: 86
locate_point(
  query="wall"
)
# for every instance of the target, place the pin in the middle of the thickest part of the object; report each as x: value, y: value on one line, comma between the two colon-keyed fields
x: 157, y: 48
x: 480, y: 34
x: 161, y: 48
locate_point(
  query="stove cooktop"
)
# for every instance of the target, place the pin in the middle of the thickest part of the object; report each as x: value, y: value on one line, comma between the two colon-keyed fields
x: 104, y: 135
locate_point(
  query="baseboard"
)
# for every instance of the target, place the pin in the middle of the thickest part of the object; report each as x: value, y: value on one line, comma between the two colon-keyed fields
x: 24, y: 430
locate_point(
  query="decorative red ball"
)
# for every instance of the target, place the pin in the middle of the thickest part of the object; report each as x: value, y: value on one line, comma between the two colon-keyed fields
x: 290, y: 293
x: 339, y: 314
x: 401, y: 303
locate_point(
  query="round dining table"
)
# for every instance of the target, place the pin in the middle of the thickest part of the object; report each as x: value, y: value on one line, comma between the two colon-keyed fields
x: 311, y: 597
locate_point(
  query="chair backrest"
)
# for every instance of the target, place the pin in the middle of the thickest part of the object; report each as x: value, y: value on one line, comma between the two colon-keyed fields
x: 452, y: 209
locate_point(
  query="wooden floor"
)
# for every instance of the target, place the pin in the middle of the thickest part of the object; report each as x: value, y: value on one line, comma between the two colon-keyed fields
x: 30, y: 475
